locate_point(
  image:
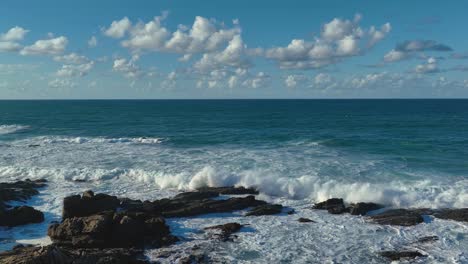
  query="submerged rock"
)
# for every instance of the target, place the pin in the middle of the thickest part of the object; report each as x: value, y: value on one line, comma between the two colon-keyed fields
x: 266, y: 209
x: 397, y: 255
x: 305, y: 220
x: 457, y: 214
x: 53, y: 254
x: 333, y: 206
x: 226, y: 230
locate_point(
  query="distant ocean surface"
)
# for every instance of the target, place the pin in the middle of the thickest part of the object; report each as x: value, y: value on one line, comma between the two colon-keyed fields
x: 403, y: 153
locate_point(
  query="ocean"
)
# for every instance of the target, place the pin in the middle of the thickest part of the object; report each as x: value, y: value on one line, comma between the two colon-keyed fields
x: 401, y: 153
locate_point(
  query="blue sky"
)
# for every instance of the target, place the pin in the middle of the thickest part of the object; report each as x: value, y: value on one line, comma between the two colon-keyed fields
x: 236, y: 49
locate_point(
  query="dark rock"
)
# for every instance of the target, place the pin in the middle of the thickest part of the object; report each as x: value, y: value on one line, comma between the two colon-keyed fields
x: 364, y: 208
x: 230, y: 190
x: 54, y: 254
x: 88, y: 204
x: 109, y: 229
x: 196, y: 195
x: 397, y: 255
x: 20, y: 215
x: 305, y: 220
x: 193, y: 208
x: 20, y: 190
x: 333, y: 206
x: 266, y: 209
x: 401, y: 217
x: 226, y: 230
x: 460, y: 214
x: 427, y: 239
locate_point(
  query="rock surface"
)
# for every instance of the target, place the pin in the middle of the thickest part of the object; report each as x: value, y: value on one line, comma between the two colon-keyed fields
x: 305, y: 220
x: 333, y: 206
x: 265, y: 209
x: 19, y: 191
x: 401, y: 217
x: 226, y: 230
x: 397, y: 255
x: 61, y: 255
x: 230, y: 190
x: 364, y: 208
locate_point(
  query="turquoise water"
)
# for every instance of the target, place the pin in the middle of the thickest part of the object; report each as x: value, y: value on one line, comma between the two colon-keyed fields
x: 402, y: 143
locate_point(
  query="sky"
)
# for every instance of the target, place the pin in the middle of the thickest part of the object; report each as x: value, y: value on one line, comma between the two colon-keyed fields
x: 174, y: 49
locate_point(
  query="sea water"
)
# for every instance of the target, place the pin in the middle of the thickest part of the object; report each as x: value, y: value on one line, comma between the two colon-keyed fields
x: 401, y: 153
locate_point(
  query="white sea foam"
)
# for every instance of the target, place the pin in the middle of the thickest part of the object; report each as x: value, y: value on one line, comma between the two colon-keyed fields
x: 8, y: 129
x: 93, y: 140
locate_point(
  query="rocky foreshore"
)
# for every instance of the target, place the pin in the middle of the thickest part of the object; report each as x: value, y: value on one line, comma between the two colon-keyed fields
x: 101, y: 228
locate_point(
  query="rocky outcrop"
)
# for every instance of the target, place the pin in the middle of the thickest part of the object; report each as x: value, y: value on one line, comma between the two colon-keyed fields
x: 110, y: 229
x: 364, y: 208
x: 19, y: 191
x: 20, y: 215
x: 305, y: 220
x: 409, y: 217
x: 265, y: 209
x: 397, y: 255
x: 230, y: 190
x: 62, y: 255
x: 88, y: 204
x: 333, y: 206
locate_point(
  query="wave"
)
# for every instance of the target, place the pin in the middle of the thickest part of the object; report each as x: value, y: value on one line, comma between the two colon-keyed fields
x: 83, y: 140
x: 398, y: 193
x: 9, y: 129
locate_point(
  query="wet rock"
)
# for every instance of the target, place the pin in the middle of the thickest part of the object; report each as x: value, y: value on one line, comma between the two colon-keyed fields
x: 230, y: 190
x: 305, y: 220
x: 201, y: 195
x: 364, y: 208
x: 400, y: 217
x: 226, y: 230
x: 266, y: 209
x: 109, y: 229
x: 19, y: 191
x: 88, y: 204
x: 193, y: 208
x: 20, y: 215
x: 397, y: 255
x: 427, y: 239
x: 333, y: 206
x: 460, y: 214
x: 54, y: 254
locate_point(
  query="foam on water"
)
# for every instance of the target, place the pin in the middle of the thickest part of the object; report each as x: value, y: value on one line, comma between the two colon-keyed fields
x: 9, y: 129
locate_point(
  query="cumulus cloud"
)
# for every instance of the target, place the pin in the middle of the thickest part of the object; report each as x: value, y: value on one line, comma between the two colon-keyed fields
x: 409, y: 48
x: 52, y: 46
x: 75, y: 70
x: 62, y: 83
x: 9, y: 40
x: 127, y: 67
x: 338, y: 39
x: 119, y: 28
x: 72, y: 58
x: 292, y: 81
x: 429, y: 67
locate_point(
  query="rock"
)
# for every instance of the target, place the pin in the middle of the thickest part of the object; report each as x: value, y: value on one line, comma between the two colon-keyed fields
x: 460, y: 214
x: 364, y: 208
x: 333, y: 206
x: 196, y: 195
x: 20, y: 190
x: 397, y: 255
x: 88, y: 204
x: 305, y: 220
x: 226, y: 230
x: 109, y: 229
x: 427, y: 239
x: 20, y: 215
x: 54, y: 254
x: 192, y: 208
x: 230, y: 190
x: 266, y: 209
x: 401, y: 217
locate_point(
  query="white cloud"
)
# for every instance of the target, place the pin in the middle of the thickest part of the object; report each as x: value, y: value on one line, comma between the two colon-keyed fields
x: 292, y: 81
x: 75, y: 70
x: 62, y: 83
x: 92, y: 42
x: 8, y: 46
x: 46, y: 47
x: 395, y: 55
x: 118, y: 28
x: 14, y: 34
x: 259, y: 80
x: 429, y: 67
x: 338, y: 39
x: 128, y: 68
x: 71, y: 58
